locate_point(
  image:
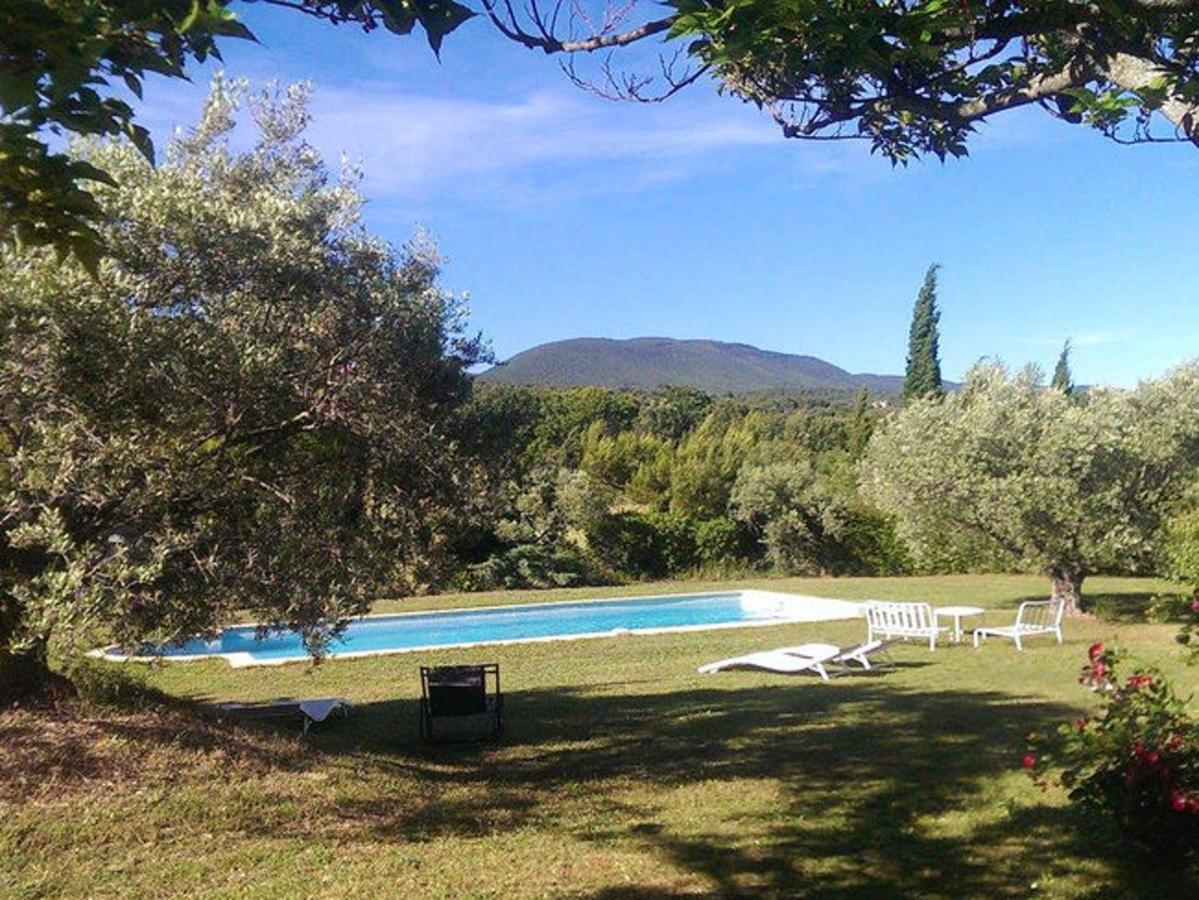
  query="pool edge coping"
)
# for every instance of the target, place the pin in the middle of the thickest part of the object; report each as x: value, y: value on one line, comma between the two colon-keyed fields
x: 243, y: 660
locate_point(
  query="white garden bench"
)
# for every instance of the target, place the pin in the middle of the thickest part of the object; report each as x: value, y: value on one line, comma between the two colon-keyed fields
x: 891, y: 619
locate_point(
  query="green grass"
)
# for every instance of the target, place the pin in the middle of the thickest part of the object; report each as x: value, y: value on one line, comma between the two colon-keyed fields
x: 624, y: 773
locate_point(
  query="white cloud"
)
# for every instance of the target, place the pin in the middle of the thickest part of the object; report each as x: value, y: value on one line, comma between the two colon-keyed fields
x: 415, y: 148
x: 412, y: 145
x: 1088, y: 339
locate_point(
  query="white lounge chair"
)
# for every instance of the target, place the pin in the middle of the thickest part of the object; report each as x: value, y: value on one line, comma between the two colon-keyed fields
x: 1032, y: 618
x: 312, y: 711
x: 860, y: 654
x: 782, y: 661
x: 889, y: 619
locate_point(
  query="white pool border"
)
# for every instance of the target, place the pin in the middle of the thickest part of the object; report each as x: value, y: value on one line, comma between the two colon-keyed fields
x: 851, y: 610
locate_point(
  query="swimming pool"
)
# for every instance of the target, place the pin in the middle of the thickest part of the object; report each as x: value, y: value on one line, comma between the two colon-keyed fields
x: 406, y: 632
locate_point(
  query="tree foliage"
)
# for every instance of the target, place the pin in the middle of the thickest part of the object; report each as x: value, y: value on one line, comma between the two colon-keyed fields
x: 63, y: 64
x: 1009, y: 468
x: 247, y: 408
x: 645, y: 494
x: 811, y: 520
x: 800, y: 522
x: 911, y: 78
x: 1062, y: 379
x: 669, y: 413
x: 59, y: 63
x: 923, y: 373
x: 861, y: 424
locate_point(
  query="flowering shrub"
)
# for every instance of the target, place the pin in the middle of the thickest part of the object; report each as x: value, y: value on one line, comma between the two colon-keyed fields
x: 1135, y: 763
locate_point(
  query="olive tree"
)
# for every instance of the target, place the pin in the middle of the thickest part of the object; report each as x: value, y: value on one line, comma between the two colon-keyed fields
x: 64, y: 68
x: 802, y: 522
x: 1064, y: 485
x: 810, y: 518
x: 247, y: 407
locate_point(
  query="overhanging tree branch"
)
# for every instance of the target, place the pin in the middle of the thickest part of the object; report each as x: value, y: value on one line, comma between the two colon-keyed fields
x: 930, y: 75
x: 504, y: 17
x: 1139, y: 75
x: 910, y: 76
x: 1166, y: 5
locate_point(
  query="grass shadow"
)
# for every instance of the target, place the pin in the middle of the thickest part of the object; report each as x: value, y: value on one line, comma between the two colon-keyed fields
x: 1128, y: 608
x: 865, y: 773
x: 872, y: 788
x: 76, y: 746
x: 1121, y: 608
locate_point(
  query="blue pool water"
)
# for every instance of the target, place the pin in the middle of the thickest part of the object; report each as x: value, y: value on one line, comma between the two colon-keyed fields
x: 515, y: 623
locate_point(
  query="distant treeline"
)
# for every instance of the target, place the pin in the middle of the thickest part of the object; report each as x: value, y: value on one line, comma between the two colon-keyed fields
x: 593, y: 485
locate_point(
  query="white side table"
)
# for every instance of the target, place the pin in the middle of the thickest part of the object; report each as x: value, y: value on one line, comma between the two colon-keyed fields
x: 957, y: 613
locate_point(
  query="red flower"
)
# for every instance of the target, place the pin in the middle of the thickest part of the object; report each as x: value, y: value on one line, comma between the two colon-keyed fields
x: 1178, y: 800
x: 1195, y: 605
x: 1136, y: 682
x: 1029, y: 761
x: 1099, y: 669
x: 1097, y: 649
x: 1081, y: 722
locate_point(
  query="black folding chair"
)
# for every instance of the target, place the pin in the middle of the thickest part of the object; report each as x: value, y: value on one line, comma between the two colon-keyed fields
x: 454, y: 693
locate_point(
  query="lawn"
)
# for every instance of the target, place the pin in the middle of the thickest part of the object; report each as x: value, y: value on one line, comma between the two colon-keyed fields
x: 624, y: 773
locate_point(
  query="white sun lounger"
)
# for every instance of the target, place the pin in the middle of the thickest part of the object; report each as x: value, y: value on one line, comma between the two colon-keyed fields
x: 805, y: 658
x: 313, y: 711
x: 779, y: 661
x: 860, y: 654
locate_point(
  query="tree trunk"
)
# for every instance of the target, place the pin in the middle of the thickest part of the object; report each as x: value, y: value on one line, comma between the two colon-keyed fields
x: 24, y: 669
x: 24, y: 672
x: 1067, y: 586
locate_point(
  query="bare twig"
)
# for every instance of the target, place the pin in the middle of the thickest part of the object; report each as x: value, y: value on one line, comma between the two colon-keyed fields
x: 541, y: 34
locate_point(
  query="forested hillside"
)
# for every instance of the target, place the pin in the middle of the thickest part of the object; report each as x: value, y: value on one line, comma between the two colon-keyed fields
x: 652, y: 362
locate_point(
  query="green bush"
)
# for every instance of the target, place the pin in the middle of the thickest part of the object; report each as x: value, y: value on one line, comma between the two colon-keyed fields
x: 645, y: 545
x: 717, y: 540
x: 104, y: 684
x: 872, y: 545
x: 532, y: 566
x: 674, y: 537
x: 627, y: 542
x: 1165, y: 608
x: 1180, y: 547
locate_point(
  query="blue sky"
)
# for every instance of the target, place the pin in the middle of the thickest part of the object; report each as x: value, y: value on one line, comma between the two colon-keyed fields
x: 564, y: 215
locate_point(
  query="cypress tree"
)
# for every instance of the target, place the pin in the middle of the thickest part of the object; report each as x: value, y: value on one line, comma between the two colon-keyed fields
x: 1062, y: 379
x: 923, y: 377
x: 861, y: 425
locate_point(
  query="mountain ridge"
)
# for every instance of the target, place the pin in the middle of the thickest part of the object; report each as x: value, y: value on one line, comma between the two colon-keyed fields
x: 717, y: 367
